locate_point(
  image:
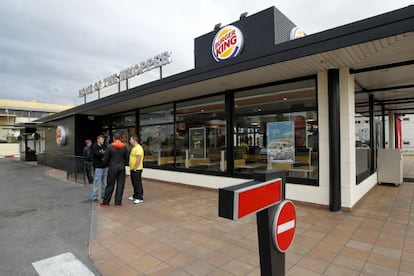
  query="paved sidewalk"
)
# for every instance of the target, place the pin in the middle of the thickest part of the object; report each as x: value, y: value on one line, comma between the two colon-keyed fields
x: 409, y: 168
x: 177, y: 231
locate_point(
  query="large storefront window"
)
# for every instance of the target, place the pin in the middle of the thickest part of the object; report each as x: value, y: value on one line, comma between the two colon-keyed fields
x: 365, y: 146
x: 362, y: 145
x: 124, y: 125
x: 276, y: 128
x: 201, y: 133
x: 157, y: 135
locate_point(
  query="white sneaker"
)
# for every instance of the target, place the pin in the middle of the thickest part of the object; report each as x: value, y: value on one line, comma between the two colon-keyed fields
x: 131, y: 198
x: 136, y: 201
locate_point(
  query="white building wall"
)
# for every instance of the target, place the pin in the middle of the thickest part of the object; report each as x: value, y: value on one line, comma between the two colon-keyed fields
x: 199, y: 180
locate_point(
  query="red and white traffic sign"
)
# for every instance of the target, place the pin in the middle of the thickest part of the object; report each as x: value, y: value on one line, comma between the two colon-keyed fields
x: 284, y: 225
x: 255, y: 198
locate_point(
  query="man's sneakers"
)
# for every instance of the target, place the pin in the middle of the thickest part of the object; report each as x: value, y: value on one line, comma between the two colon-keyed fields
x: 104, y: 205
x: 135, y: 200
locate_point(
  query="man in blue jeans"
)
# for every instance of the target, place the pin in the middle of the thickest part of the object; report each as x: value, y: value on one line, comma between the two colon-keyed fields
x: 101, y: 169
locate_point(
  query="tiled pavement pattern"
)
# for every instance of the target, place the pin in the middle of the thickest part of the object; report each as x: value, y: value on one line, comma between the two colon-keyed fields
x: 409, y: 167
x: 177, y: 231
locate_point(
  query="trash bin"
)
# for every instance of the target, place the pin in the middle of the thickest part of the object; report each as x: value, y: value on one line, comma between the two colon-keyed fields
x: 390, y: 166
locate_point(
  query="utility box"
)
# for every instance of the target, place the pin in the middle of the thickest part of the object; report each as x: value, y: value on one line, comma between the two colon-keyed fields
x: 390, y: 166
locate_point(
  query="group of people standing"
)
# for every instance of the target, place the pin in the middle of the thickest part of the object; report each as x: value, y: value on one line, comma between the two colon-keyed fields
x: 109, y: 162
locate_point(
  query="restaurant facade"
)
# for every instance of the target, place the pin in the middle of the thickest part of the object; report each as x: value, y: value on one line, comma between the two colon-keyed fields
x: 263, y: 96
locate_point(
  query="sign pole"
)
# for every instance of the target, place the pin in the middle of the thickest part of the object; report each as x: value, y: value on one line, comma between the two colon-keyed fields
x: 272, y: 262
x: 276, y: 217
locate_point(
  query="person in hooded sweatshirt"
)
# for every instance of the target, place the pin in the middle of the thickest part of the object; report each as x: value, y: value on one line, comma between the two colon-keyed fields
x: 116, y: 156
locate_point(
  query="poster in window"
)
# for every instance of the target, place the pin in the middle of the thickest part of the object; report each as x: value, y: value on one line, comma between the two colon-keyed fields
x: 151, y: 139
x: 280, y: 141
x: 197, y: 142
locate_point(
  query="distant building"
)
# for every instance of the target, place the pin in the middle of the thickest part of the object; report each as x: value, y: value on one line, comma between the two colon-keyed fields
x: 408, y: 133
x: 362, y: 132
x: 14, y: 112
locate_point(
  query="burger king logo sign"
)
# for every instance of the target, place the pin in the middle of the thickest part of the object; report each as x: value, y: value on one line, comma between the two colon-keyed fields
x: 227, y: 43
x: 60, y: 136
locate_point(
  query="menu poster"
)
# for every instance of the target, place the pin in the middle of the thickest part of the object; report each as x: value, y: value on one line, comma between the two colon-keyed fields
x: 197, y: 142
x: 280, y: 141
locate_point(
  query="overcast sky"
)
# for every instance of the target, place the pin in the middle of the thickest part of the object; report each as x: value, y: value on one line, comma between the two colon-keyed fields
x: 51, y: 49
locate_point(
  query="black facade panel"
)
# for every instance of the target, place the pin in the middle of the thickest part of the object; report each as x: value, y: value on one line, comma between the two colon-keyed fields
x: 87, y: 127
x: 226, y: 204
x: 55, y: 156
x: 260, y: 31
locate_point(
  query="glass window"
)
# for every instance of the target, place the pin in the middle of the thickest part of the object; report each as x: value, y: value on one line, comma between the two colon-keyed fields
x: 365, y: 146
x: 123, y: 120
x: 362, y: 145
x: 201, y: 133
x: 158, y: 144
x: 157, y: 115
x: 276, y: 127
x: 157, y: 135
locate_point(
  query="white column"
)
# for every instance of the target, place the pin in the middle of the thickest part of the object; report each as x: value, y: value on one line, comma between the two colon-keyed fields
x: 348, y: 161
x: 323, y: 132
x: 391, y: 130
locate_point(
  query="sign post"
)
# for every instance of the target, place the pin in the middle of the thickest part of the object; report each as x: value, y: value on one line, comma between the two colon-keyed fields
x: 276, y: 217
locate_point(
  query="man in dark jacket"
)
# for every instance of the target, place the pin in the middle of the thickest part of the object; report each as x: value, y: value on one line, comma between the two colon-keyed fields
x: 87, y: 157
x: 101, y: 169
x: 116, y: 156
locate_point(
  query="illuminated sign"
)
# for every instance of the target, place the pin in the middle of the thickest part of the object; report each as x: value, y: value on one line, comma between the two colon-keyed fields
x: 227, y: 43
x: 296, y: 33
x: 144, y: 66
x: 60, y: 135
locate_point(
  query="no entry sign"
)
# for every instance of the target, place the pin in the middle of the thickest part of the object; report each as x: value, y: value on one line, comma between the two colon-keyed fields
x: 262, y: 197
x: 284, y: 225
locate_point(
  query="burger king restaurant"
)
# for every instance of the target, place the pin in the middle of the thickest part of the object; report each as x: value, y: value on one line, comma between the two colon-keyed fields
x: 263, y: 95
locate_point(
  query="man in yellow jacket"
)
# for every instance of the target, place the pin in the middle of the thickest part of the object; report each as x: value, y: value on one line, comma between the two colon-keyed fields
x: 136, y: 161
